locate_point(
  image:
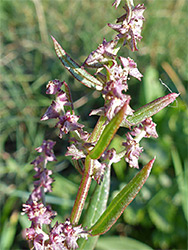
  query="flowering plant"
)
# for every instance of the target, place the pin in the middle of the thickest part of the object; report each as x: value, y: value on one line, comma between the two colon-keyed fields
x: 90, y: 151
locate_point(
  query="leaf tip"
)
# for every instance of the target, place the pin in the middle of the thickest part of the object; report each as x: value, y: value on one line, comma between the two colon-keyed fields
x: 152, y: 161
x: 150, y: 165
x: 173, y: 96
x: 56, y: 44
x: 54, y: 40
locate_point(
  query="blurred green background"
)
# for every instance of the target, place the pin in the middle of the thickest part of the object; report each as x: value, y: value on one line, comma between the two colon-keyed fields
x: 158, y: 216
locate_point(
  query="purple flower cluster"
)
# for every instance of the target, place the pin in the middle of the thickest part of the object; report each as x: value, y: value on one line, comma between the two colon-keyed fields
x: 131, y: 25
x: 104, y: 57
x: 44, y: 181
x: 115, y: 81
x: 133, y: 151
x: 146, y: 129
x: 67, y: 120
x: 60, y: 236
x: 64, y: 236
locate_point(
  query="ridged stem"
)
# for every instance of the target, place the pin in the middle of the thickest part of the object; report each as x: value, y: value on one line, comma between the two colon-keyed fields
x: 82, y: 192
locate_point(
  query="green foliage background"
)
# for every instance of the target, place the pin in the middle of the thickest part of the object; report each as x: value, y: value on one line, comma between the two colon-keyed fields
x: 158, y: 217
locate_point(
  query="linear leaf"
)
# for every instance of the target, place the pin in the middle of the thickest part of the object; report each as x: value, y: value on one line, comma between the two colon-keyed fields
x: 97, y: 205
x: 149, y: 110
x: 108, y: 133
x: 79, y: 73
x: 121, y: 201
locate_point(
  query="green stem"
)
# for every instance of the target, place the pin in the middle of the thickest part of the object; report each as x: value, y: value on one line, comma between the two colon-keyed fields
x: 82, y: 192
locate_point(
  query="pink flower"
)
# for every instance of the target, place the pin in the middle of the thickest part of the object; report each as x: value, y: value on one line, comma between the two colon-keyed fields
x: 47, y: 149
x: 99, y: 171
x: 104, y: 53
x: 133, y: 151
x: 131, y: 67
x: 72, y: 234
x: 68, y: 123
x: 131, y: 26
x: 38, y: 213
x: 56, y: 107
x: 53, y: 87
x: 148, y: 126
x: 45, y: 180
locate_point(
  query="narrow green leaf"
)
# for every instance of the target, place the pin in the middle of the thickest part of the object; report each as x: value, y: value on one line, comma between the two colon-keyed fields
x: 78, y: 72
x: 96, y: 207
x: 149, y: 110
x: 108, y: 133
x: 99, y: 127
x: 98, y: 201
x: 121, y: 201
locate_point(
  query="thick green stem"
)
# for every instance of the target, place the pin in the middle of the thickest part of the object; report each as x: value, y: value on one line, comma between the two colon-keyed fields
x: 82, y: 192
